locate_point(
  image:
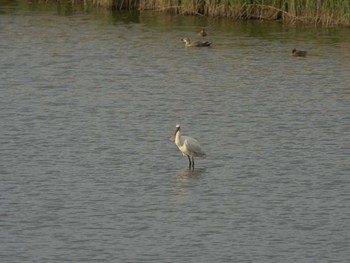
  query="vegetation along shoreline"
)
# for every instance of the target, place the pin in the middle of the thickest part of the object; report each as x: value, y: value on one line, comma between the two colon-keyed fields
x: 318, y: 12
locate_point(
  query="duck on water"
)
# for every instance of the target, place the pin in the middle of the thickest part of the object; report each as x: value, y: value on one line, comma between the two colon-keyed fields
x: 189, y: 43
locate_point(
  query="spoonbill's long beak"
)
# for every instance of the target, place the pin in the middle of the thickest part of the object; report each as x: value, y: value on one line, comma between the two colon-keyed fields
x: 172, y: 138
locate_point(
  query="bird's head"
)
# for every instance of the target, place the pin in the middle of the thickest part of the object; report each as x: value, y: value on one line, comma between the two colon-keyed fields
x: 172, y: 138
x: 186, y: 40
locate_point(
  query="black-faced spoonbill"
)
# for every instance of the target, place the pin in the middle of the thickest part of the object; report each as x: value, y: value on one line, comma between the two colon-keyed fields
x: 188, y: 146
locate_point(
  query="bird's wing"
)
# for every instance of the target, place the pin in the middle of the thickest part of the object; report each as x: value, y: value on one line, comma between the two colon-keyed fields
x: 201, y: 43
x: 193, y: 146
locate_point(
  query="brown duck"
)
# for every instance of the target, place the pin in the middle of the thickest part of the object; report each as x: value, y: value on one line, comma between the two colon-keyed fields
x: 202, y: 33
x: 298, y: 53
x: 189, y: 43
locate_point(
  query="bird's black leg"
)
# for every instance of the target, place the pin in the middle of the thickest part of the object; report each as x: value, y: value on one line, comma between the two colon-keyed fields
x: 192, y: 162
x: 189, y: 160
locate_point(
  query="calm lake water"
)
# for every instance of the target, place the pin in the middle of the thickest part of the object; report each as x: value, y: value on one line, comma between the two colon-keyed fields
x: 88, y: 102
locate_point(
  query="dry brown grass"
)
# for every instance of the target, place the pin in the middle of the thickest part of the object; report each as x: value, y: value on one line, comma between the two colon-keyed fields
x: 318, y: 12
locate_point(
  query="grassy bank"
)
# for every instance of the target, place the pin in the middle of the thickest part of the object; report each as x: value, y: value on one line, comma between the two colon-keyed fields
x: 318, y: 12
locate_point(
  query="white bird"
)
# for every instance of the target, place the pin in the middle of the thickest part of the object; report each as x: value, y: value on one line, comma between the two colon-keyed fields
x: 188, y: 146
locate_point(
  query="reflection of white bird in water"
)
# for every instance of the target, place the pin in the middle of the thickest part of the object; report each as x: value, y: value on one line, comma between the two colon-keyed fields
x: 188, y: 146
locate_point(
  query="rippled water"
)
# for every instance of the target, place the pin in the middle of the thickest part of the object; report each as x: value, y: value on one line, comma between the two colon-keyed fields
x: 88, y: 173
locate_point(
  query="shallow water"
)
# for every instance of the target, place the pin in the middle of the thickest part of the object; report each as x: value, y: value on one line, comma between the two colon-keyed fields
x: 88, y: 174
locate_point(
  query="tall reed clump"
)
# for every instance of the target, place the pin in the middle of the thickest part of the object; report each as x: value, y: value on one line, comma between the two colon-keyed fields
x: 116, y: 4
x: 323, y: 12
x: 107, y: 4
x: 318, y: 12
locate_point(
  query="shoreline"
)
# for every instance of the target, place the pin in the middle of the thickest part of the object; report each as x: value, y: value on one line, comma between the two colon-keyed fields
x: 327, y: 13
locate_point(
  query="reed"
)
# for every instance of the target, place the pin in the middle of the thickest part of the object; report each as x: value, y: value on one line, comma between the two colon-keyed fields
x: 318, y: 12
x: 107, y: 4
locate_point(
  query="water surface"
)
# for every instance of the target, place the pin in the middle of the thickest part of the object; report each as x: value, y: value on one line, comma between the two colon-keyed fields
x: 88, y: 102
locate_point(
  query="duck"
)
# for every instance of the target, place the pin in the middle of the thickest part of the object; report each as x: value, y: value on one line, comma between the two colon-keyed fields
x: 188, y: 43
x: 202, y: 33
x: 298, y: 53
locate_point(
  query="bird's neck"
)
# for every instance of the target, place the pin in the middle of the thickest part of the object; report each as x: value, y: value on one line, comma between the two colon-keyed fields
x: 178, y: 141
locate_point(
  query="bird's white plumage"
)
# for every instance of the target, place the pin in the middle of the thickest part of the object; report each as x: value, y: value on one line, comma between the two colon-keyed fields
x: 188, y: 146
x: 192, y: 147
